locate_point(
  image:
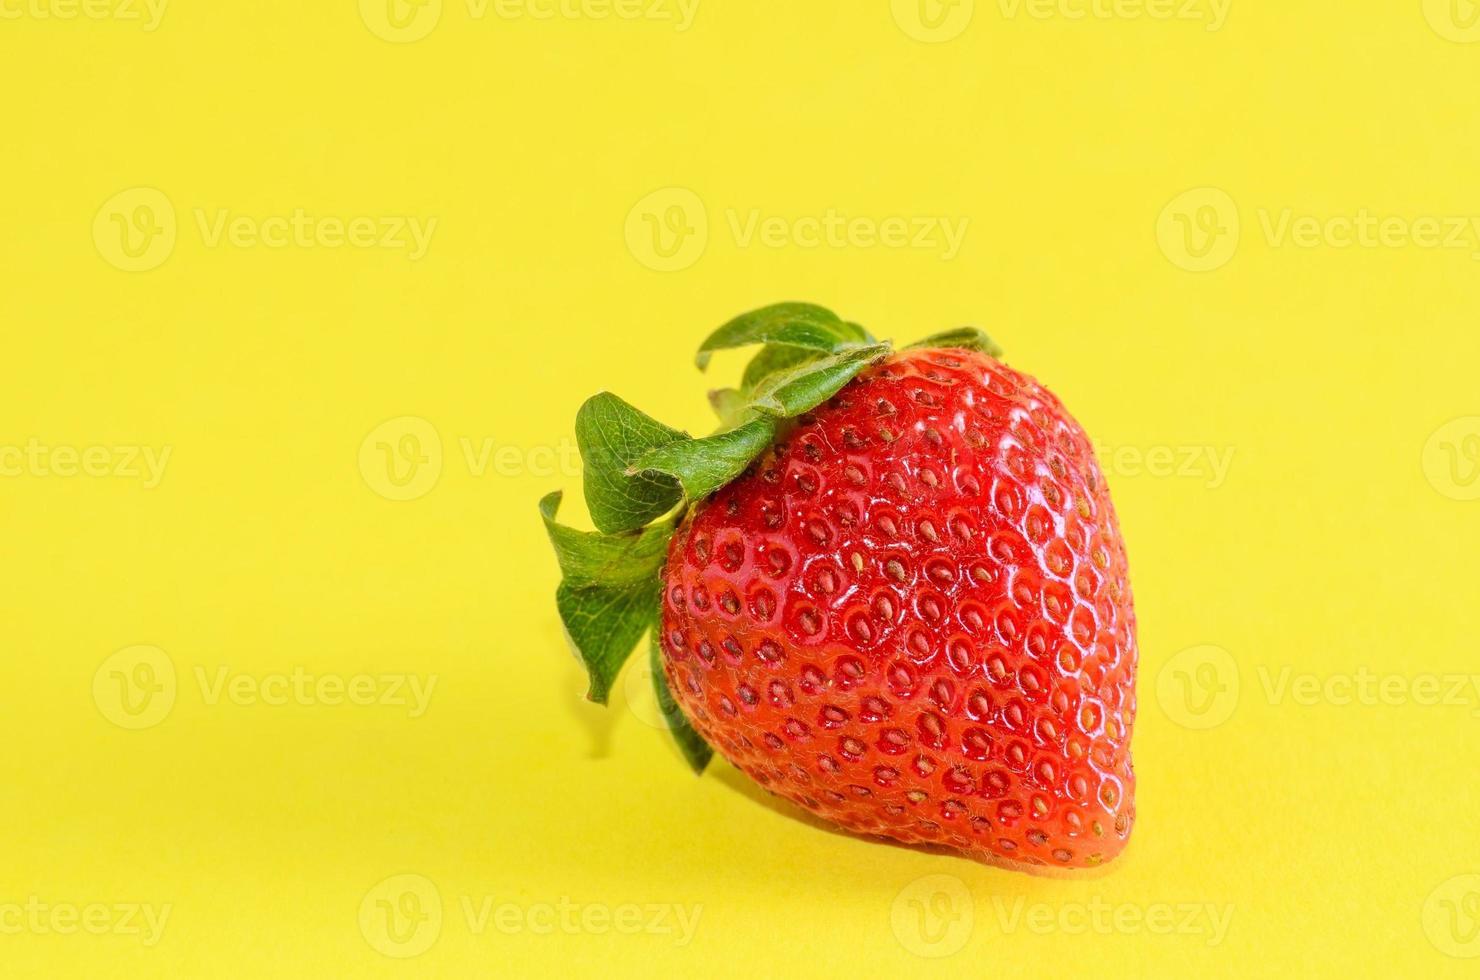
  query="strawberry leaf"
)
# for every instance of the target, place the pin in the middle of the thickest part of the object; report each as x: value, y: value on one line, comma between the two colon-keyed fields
x: 789, y: 393
x: 772, y: 359
x: 800, y: 325
x: 702, y: 466
x: 610, y: 586
x: 971, y: 338
x: 587, y: 558
x: 603, y: 625
x: 612, y: 435
x: 696, y: 751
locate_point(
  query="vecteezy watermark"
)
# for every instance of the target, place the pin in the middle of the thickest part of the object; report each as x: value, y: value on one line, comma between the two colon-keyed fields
x: 402, y: 459
x: 1199, y: 687
x: 1370, y: 688
x: 403, y: 916
x: 146, y: 13
x: 486, y: 456
x: 1212, y: 13
x: 40, y: 460
x: 137, y: 230
x: 1451, y: 917
x: 569, y: 918
x: 641, y: 695
x: 138, y: 686
x: 1454, y: 20
x: 298, y: 686
x: 1209, y: 920
x: 1451, y: 459
x: 38, y: 918
x: 934, y: 916
x: 937, y: 21
x: 404, y: 21
x: 1200, y: 230
x: 1209, y: 464
x: 1364, y: 229
x: 941, y: 234
x: 933, y: 21
x: 668, y: 230
x: 135, y: 687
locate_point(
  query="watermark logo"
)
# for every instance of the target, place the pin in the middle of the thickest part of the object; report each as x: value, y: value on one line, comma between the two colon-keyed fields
x: 1454, y: 20
x: 1366, y: 230
x: 300, y: 687
x: 937, y: 21
x: 1451, y: 459
x: 38, y: 918
x: 668, y: 230
x: 401, y: 21
x: 1099, y: 917
x: 1210, y: 464
x: 42, y: 461
x: 405, y: 21
x: 1213, y: 13
x: 298, y: 229
x: 1369, y: 688
x: 135, y: 229
x: 831, y: 228
x: 568, y: 918
x: 1199, y: 229
x: 679, y: 13
x: 933, y: 21
x: 401, y: 459
x: 138, y: 687
x: 933, y: 916
x: 1199, y: 687
x: 401, y: 917
x: 147, y: 13
x: 1451, y: 917
x: 135, y: 687
x: 486, y: 455
x: 641, y: 694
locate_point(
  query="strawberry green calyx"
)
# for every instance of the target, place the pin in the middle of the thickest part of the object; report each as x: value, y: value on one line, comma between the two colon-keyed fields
x: 801, y: 326
x: 640, y: 477
x: 609, y: 587
x: 970, y: 338
x: 611, y: 436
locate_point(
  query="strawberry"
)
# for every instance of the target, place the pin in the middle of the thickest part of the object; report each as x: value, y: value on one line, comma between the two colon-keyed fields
x: 891, y: 589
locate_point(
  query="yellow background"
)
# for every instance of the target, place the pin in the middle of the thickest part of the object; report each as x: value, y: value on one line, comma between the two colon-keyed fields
x: 1338, y: 835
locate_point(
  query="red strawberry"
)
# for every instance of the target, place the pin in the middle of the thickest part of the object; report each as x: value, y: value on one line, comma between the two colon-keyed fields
x: 911, y: 613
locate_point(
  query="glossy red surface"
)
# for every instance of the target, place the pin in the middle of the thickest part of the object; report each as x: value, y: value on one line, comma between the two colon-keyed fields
x: 912, y: 617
